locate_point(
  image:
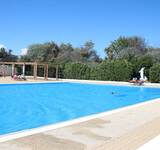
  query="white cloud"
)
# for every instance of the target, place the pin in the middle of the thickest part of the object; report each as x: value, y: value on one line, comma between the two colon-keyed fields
x: 2, y: 46
x: 24, y: 51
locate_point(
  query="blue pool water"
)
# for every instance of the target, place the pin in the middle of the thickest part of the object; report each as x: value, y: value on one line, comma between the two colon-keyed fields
x: 26, y: 106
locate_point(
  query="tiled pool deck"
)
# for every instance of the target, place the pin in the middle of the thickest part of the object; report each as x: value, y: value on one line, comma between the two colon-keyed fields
x: 124, y: 130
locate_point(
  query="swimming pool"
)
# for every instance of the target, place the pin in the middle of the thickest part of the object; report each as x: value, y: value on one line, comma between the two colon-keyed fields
x: 27, y: 106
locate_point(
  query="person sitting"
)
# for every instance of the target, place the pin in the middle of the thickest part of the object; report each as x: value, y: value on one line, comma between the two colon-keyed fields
x: 14, y: 76
x: 135, y: 81
x: 22, y: 77
x: 19, y: 77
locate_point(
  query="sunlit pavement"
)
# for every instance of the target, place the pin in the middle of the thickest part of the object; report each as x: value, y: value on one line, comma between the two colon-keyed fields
x: 152, y: 145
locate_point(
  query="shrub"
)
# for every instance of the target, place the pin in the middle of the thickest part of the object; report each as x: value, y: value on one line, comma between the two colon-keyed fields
x: 52, y: 71
x: 154, y: 73
x: 40, y: 71
x: 61, y: 70
x: 77, y: 71
x: 28, y: 70
x: 116, y: 70
x: 105, y: 70
x: 143, y: 61
x: 94, y: 73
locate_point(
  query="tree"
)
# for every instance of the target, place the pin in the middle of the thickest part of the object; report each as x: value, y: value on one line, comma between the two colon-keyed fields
x: 88, y: 53
x: 154, y: 73
x: 66, y: 53
x: 51, y: 52
x: 47, y: 52
x: 155, y: 53
x: 126, y: 47
x: 6, y: 55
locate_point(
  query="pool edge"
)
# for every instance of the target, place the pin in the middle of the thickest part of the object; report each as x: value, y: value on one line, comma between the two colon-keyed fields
x: 27, y: 132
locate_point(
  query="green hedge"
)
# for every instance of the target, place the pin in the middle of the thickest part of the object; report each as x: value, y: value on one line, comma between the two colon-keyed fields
x: 140, y: 62
x: 154, y: 73
x: 117, y: 70
x: 77, y: 71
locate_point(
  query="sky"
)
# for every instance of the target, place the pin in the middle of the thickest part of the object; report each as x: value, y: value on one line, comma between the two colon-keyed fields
x: 26, y: 22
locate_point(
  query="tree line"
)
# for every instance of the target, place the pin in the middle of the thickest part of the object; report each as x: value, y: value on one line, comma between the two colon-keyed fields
x: 125, y: 56
x: 63, y: 53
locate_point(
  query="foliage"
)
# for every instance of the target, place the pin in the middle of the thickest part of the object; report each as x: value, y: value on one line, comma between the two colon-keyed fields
x: 40, y: 71
x: 66, y: 53
x: 154, y: 73
x: 28, y: 70
x: 143, y: 61
x: 116, y: 70
x: 7, y: 55
x: 155, y: 53
x: 126, y: 47
x: 94, y: 73
x: 63, y: 53
x: 77, y: 71
x: 147, y: 62
x: 125, y: 57
x: 87, y: 52
x: 46, y: 52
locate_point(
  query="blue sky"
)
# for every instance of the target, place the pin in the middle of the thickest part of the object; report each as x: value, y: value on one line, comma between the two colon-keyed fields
x: 24, y: 22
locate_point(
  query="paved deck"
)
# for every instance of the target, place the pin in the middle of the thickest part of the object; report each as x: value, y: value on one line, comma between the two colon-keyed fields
x: 126, y: 130
x: 152, y: 145
x: 4, y: 80
x: 10, y: 80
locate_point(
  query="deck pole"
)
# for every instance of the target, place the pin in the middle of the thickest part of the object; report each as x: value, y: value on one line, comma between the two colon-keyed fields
x: 46, y: 72
x: 23, y: 73
x: 13, y: 69
x: 35, y: 71
x: 56, y: 72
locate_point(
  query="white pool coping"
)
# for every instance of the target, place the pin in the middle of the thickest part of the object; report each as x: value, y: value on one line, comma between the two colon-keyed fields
x: 115, y: 83
x: 154, y: 144
x: 27, y: 132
